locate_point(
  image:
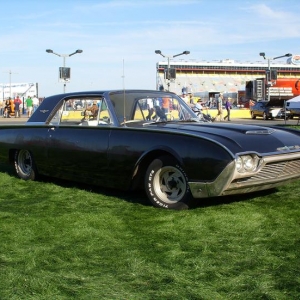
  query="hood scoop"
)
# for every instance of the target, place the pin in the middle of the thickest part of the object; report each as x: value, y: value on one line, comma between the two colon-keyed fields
x: 260, y: 131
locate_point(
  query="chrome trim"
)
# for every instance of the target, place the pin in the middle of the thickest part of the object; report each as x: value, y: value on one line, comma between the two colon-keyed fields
x: 259, y: 132
x: 273, y: 171
x: 214, y: 188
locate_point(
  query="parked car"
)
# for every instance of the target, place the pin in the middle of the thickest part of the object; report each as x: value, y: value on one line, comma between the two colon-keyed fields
x: 269, y: 110
x: 126, y: 145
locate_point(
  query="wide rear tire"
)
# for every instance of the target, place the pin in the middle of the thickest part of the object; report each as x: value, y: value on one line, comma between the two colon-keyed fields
x: 166, y: 184
x: 24, y: 165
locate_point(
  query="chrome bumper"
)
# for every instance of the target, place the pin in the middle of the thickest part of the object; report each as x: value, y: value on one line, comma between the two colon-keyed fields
x: 274, y: 170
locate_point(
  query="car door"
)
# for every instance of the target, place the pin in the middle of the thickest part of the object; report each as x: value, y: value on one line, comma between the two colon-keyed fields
x: 77, y: 146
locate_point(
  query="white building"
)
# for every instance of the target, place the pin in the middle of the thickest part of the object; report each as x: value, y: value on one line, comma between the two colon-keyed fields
x: 18, y: 89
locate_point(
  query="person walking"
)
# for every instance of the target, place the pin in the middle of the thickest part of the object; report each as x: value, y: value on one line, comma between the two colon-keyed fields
x: 150, y: 108
x: 29, y: 106
x: 220, y: 108
x: 228, y: 108
x: 166, y: 104
x: 35, y: 102
x: 17, y: 103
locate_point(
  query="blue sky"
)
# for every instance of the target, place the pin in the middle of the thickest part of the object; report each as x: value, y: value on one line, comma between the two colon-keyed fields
x: 121, y: 36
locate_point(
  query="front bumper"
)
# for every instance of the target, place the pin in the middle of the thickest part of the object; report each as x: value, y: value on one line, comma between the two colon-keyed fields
x: 274, y: 171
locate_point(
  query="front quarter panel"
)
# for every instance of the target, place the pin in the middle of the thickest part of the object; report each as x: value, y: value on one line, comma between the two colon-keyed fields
x: 202, y: 159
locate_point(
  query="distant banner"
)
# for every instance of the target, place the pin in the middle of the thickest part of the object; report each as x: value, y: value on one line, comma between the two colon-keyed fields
x: 18, y: 89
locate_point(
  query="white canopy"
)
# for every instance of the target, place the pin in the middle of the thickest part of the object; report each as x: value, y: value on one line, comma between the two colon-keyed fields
x: 295, y: 99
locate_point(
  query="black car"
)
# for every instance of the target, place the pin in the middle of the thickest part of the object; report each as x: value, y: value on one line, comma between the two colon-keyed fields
x: 269, y: 110
x: 150, y: 140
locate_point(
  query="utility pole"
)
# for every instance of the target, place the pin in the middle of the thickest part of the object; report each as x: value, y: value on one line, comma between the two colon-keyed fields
x: 9, y: 72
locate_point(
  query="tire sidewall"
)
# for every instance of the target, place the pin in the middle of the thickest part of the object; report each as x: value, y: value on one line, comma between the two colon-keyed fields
x: 152, y: 170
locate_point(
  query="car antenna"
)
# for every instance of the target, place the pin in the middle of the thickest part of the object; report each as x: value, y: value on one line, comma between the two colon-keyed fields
x: 123, y: 78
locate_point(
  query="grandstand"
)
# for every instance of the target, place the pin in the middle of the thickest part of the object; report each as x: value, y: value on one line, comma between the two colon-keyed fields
x: 207, y: 79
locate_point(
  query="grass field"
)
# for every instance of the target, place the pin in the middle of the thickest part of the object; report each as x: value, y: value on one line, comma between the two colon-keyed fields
x: 62, y: 240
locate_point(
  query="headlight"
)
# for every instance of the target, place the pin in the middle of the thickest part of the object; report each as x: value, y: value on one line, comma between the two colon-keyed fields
x: 246, y: 163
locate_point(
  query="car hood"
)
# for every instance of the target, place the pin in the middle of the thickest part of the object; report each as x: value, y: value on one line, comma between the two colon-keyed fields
x: 240, y: 138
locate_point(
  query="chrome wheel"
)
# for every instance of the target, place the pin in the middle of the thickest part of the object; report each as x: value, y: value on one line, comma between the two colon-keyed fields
x: 166, y: 184
x: 24, y: 165
x: 169, y: 184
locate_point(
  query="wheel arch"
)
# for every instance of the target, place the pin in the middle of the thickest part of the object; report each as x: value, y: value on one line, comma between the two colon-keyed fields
x: 144, y: 161
x: 11, y: 155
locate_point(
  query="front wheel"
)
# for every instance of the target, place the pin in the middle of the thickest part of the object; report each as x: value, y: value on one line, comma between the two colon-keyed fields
x: 166, y: 184
x: 252, y: 115
x: 24, y: 165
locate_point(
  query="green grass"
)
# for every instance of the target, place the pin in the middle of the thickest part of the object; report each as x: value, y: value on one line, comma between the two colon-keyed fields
x: 61, y: 240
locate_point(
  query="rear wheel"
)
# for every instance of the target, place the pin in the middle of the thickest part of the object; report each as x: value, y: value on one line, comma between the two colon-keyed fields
x: 166, y: 184
x: 24, y: 165
x: 252, y: 115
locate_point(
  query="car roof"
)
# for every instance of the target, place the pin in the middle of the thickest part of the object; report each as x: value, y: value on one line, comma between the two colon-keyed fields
x: 273, y: 102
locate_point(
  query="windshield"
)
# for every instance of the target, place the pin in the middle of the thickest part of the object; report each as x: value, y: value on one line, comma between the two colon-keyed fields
x: 148, y: 107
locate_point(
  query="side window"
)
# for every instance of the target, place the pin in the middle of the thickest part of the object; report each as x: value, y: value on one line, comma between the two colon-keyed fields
x: 73, y: 111
x: 83, y: 112
x: 78, y: 111
x: 104, y: 115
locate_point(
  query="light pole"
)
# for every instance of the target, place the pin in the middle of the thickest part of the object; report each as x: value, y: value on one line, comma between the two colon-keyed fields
x: 269, y: 68
x: 10, y: 72
x: 64, y: 56
x: 168, y: 57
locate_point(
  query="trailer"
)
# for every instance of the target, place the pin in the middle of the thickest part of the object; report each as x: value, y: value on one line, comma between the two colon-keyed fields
x: 281, y: 88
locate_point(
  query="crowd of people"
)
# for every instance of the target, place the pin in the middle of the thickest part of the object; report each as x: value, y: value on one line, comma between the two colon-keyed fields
x: 163, y: 105
x: 17, y: 107
x: 198, y: 106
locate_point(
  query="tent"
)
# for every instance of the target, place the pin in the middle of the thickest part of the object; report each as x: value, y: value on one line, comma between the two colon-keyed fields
x: 293, y: 105
x: 295, y: 99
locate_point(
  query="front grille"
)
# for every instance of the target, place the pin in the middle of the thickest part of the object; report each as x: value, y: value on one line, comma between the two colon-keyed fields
x: 274, y: 171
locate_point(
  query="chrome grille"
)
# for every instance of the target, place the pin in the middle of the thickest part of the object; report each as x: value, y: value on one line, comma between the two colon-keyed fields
x: 273, y: 171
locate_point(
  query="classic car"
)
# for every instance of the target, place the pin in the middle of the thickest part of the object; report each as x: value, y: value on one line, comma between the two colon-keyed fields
x: 132, y: 142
